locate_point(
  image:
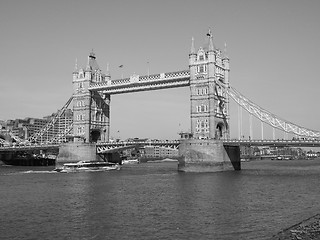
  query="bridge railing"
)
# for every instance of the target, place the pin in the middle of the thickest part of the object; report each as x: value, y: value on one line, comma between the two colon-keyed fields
x: 120, y: 143
x: 110, y: 146
x: 136, y: 79
x: 278, y: 142
x: 28, y: 146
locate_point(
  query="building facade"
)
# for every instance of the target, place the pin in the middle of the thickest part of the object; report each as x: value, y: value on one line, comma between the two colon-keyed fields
x: 158, y: 152
x: 23, y: 129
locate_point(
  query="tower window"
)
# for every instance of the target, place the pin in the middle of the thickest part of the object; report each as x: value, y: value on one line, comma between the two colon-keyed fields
x: 80, y: 104
x: 81, y: 117
x: 202, y: 108
x: 202, y: 68
x: 202, y: 91
x: 202, y: 126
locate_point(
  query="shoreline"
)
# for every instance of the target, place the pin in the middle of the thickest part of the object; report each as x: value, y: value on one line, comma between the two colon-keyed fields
x: 306, y: 229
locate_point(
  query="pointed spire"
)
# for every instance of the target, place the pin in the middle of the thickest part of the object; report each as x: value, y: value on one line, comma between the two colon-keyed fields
x: 76, y: 66
x: 193, y: 50
x: 209, y: 34
x: 92, y: 54
x: 88, y: 67
x: 108, y: 72
x: 225, y: 50
x: 211, y: 45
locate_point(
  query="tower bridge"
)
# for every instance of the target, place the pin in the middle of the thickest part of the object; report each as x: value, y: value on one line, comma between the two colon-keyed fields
x: 209, y: 148
x: 92, y: 91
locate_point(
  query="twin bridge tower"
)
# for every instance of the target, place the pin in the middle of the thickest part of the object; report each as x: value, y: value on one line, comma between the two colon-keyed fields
x: 207, y: 77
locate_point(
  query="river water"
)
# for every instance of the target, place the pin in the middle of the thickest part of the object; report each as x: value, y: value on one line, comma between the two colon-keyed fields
x: 154, y: 201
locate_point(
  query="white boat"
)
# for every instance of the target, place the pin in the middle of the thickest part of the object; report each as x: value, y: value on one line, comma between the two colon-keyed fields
x: 130, y: 161
x: 83, y: 166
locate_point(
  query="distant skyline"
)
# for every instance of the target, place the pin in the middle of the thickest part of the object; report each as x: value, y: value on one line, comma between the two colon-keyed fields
x: 273, y: 48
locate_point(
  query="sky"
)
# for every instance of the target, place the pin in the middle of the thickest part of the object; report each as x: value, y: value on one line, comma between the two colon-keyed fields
x: 273, y: 46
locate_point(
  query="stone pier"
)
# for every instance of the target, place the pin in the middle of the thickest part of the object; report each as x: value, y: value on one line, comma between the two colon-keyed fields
x: 75, y: 152
x: 207, y: 155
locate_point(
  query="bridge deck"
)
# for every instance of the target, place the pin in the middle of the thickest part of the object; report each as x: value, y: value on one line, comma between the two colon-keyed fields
x: 138, y: 83
x: 111, y: 146
x: 28, y: 148
x: 274, y: 143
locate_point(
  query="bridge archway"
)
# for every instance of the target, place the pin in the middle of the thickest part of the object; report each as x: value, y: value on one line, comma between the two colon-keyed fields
x: 221, y: 130
x: 95, y: 135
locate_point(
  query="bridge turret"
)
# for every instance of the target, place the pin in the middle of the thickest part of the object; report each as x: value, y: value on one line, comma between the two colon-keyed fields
x: 211, y: 80
x: 226, y: 64
x: 209, y: 113
x: 192, y: 60
x: 82, y: 102
x: 210, y: 38
x: 211, y: 50
x: 76, y: 71
x: 88, y: 71
x: 108, y: 75
x: 91, y: 108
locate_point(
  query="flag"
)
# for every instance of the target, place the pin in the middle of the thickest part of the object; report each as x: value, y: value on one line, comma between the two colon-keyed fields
x: 121, y: 66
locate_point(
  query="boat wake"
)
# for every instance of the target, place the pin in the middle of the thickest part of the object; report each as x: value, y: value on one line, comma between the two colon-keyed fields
x: 30, y: 172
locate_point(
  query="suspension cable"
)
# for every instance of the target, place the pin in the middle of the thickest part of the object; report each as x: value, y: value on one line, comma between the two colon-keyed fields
x: 266, y: 116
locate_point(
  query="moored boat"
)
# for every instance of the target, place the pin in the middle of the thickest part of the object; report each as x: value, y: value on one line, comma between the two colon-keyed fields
x: 29, y: 160
x: 83, y: 166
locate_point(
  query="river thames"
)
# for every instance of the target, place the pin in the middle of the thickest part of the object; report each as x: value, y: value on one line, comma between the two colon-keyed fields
x: 154, y: 201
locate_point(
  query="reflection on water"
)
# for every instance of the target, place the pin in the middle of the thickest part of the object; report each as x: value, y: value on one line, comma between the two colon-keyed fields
x: 154, y: 201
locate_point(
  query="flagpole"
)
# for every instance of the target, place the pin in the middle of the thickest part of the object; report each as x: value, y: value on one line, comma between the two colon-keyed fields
x: 121, y: 66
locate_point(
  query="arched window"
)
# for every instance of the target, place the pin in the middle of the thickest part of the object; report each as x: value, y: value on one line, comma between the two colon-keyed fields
x: 98, y: 116
x: 202, y: 68
x: 201, y: 56
x: 202, y: 108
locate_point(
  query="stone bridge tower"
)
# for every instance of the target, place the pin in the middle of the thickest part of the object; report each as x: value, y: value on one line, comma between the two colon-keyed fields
x: 91, y: 109
x: 209, y: 103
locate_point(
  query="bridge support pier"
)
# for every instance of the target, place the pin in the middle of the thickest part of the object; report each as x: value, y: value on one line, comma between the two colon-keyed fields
x: 207, y: 155
x: 73, y: 152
